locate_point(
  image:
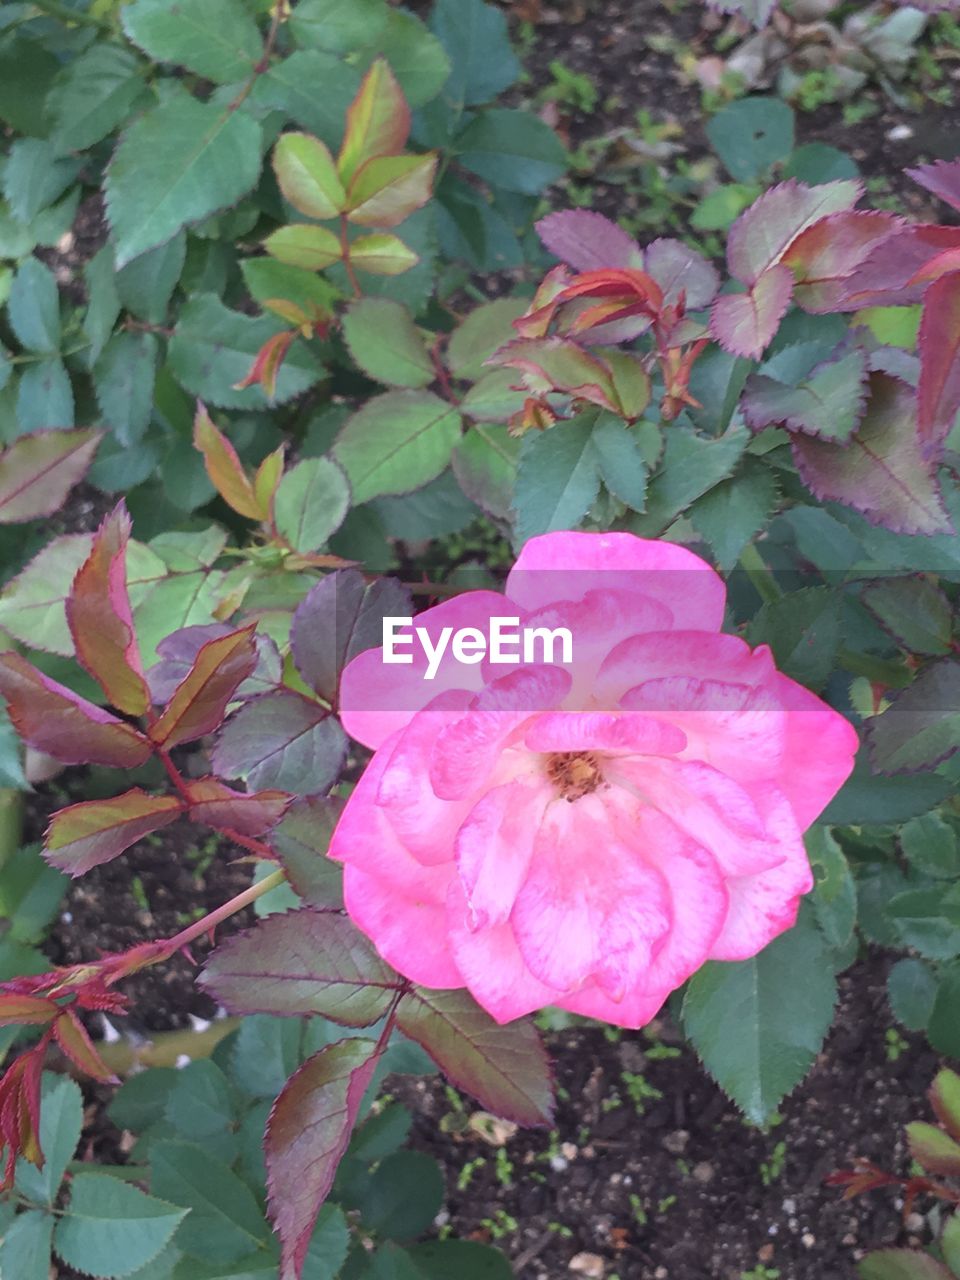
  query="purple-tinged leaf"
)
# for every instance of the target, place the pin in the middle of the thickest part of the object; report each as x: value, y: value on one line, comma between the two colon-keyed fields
x: 560, y: 364
x: 201, y: 699
x: 935, y: 1150
x: 307, y: 1134
x: 921, y: 727
x: 302, y: 963
x: 881, y: 472
x: 828, y: 403
x: 339, y: 618
x: 53, y: 719
x: 282, y: 740
x: 101, y: 623
x: 504, y: 1067
x: 744, y: 323
x: 945, y: 1098
x: 763, y: 233
x: 886, y: 277
x: 824, y: 256
x: 588, y: 241
x: 675, y: 267
x: 178, y: 652
x: 301, y: 840
x: 86, y: 835
x: 938, y: 395
x: 213, y: 804
x: 914, y: 611
x: 942, y: 178
x: 39, y: 470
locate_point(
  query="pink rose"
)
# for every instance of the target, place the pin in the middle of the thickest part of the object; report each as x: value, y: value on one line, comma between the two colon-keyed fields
x: 584, y: 833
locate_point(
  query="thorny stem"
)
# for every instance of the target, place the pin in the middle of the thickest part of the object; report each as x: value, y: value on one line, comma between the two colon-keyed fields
x: 245, y: 842
x: 264, y: 63
x: 209, y: 922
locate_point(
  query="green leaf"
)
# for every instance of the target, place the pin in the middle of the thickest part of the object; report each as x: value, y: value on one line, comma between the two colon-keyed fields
x: 103, y: 301
x: 620, y: 457
x: 311, y: 502
x: 215, y: 38
x: 290, y: 86
x: 692, y: 464
x: 914, y: 611
x: 930, y: 845
x: 27, y: 68
x: 901, y: 1264
x: 33, y: 307
x: 396, y: 443
x: 557, y: 478
x: 25, y: 1246
x: 835, y: 894
x: 307, y: 175
x: 304, y: 245
x: 386, y: 344
x: 943, y: 1029
x: 328, y: 1245
x: 928, y: 921
x: 493, y: 397
x: 141, y: 1100
x: 268, y: 279
x: 339, y: 26
x: 61, y: 1118
x: 123, y: 381
x: 403, y: 1196
x: 111, y: 1229
x: 480, y: 334
x: 146, y: 284
x: 757, y: 1029
x: 381, y: 1134
x: 869, y: 799
x: 950, y: 1244
x: 440, y: 1259
x: 911, y: 990
x: 175, y: 166
x: 475, y: 37
x: 513, y: 150
x: 30, y: 894
x: 45, y: 396
x: 815, y: 163
x: 416, y: 57
x: 94, y: 95
x: 11, y: 756
x: 921, y: 727
x: 300, y: 841
x: 735, y: 511
x: 200, y: 1104
x: 750, y: 135
x: 214, y: 347
x: 264, y: 1052
x: 803, y: 630
x: 225, y: 1223
x: 34, y: 177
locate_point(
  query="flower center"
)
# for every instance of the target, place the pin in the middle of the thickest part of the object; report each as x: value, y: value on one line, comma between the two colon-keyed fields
x: 574, y: 773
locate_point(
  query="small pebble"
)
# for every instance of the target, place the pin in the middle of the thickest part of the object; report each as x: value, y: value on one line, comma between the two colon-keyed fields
x: 808, y: 1239
x: 661, y: 1273
x: 914, y: 1222
x: 899, y: 133
x: 676, y: 1142
x: 849, y: 1239
x: 765, y: 1253
x: 67, y: 917
x: 568, y: 1150
x: 183, y: 1060
x: 703, y: 1172
x: 789, y: 1206
x: 590, y: 1265
x: 558, y: 1163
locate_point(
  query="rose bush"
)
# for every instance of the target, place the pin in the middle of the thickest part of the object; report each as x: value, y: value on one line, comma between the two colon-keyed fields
x: 585, y: 834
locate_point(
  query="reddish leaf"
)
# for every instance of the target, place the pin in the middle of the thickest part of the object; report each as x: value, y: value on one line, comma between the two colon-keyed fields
x: 588, y: 241
x: 679, y: 269
x: 939, y: 344
x: 178, y: 652
x: 20, y: 1112
x: 935, y: 1150
x: 39, y: 470
x: 100, y: 620
x: 25, y: 1011
x: 265, y: 370
x: 378, y: 121
x: 945, y: 1097
x: 744, y: 323
x: 300, y: 963
x: 282, y: 740
x: 387, y: 189
x: 505, y: 1067
x: 307, y: 1134
x: 97, y: 831
x: 763, y: 233
x: 200, y: 702
x: 53, y: 719
x: 301, y: 840
x: 824, y: 256
x: 881, y: 471
x: 70, y: 1034
x: 828, y: 403
x: 559, y: 363
x: 887, y: 276
x: 224, y: 467
x: 942, y: 178
x: 216, y: 805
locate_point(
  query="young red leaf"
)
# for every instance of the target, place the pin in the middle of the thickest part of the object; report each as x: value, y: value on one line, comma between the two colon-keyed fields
x: 71, y: 1035
x: 200, y: 702
x: 20, y: 1112
x: 763, y: 233
x: 303, y: 245
x: 25, y: 1011
x: 97, y: 831
x: 881, y: 470
x: 53, y: 719
x: 942, y: 178
x: 744, y: 323
x: 679, y: 269
x: 301, y: 963
x: 216, y: 805
x: 891, y: 274
x: 824, y: 256
x: 100, y: 620
x: 386, y: 190
x: 939, y: 344
x: 307, y: 1134
x: 945, y: 1097
x: 308, y: 176
x: 560, y: 364
x: 378, y: 121
x: 504, y: 1067
x: 224, y: 467
x: 39, y: 470
x: 266, y: 367
x: 935, y: 1150
x: 828, y: 403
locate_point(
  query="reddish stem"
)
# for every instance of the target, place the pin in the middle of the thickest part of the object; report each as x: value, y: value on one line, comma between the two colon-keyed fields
x: 345, y: 248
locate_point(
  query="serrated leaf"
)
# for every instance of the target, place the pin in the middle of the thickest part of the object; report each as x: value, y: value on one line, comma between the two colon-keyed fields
x: 691, y: 465
x: 103, y: 301
x: 30, y: 894
x: 911, y: 990
x: 307, y: 176
x: 340, y: 26
x: 465, y: 1259
x: 803, y: 631
x: 44, y: 396
x: 620, y: 458
x: 780, y: 1023
x: 485, y: 465
x: 416, y: 57
x: 945, y: 1098
x: 247, y: 813
x: 504, y: 1067
x: 282, y: 740
x: 557, y: 478
x: 88, y: 834
x: 935, y: 1150
x: 921, y: 727
x: 382, y: 255
x: 475, y: 37
x: 827, y: 403
x: 927, y: 920
x: 227, y: 474
x: 302, y: 963
x: 200, y: 1103
x: 513, y: 150
x: 751, y: 134
x: 35, y: 176
x: 914, y: 611
x: 378, y: 121
x: 225, y: 1222
x: 745, y: 323
x: 178, y: 164
x: 943, y: 1029
x: 146, y: 284
x: 938, y: 394
x: 396, y: 443
x: 386, y: 344
x: 835, y: 893
x: 39, y: 470
x: 33, y: 307
x: 735, y: 511
x: 310, y: 503
x: 94, y: 95
x: 307, y: 1134
x: 25, y: 1246
x: 111, y: 1228
x: 387, y: 189
x: 200, y: 701
x: 289, y: 86
x: 61, y: 1119
x: 123, y: 381
x: 300, y: 842
x: 215, y: 38
x: 762, y: 235
x: 480, y: 334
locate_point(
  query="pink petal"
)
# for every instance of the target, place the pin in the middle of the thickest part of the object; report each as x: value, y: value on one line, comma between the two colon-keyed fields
x: 604, y: 732
x: 558, y: 567
x: 669, y: 654
x: 494, y: 847
x: 818, y: 752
